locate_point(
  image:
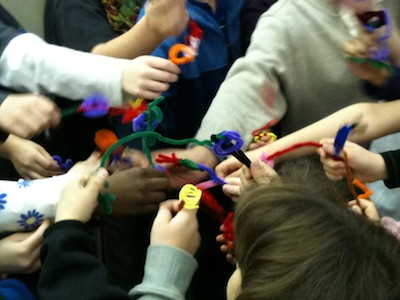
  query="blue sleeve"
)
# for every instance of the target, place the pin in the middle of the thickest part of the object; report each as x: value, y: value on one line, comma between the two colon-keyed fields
x: 13, y: 289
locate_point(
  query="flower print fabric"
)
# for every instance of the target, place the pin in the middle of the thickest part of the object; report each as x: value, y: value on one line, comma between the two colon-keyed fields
x: 24, y: 204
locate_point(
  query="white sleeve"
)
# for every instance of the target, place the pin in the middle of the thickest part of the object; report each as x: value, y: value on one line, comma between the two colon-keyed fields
x: 30, y: 64
x: 24, y: 204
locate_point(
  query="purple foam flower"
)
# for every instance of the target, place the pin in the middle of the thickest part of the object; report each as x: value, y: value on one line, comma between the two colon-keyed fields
x: 227, y: 142
x: 95, y: 106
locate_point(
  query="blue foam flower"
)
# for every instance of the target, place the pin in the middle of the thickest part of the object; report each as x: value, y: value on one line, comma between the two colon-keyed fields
x: 3, y: 201
x: 31, y: 220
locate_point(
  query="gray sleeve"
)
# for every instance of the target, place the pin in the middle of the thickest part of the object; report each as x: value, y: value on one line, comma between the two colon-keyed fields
x: 168, y: 273
x: 245, y: 100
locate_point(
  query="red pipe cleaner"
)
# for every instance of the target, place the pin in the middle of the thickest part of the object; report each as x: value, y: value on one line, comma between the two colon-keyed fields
x: 161, y: 158
x: 294, y: 147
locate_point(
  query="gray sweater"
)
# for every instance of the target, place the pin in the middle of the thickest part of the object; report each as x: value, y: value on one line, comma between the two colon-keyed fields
x: 295, y: 48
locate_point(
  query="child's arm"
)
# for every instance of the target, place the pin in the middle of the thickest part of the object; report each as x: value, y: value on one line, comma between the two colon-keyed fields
x: 163, y: 18
x: 372, y: 120
x: 24, y: 204
x: 30, y: 64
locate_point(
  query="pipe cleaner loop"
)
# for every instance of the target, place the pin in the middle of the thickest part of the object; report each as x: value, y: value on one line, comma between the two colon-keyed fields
x: 227, y: 142
x: 181, y: 54
x: 190, y: 195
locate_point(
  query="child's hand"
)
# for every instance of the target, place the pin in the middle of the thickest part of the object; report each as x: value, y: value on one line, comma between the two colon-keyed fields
x: 176, y: 228
x: 19, y: 252
x: 148, y: 76
x: 230, y: 167
x: 364, y: 165
x: 359, y: 51
x: 27, y: 115
x: 259, y: 171
x: 29, y: 159
x: 137, y: 190
x: 366, y: 207
x: 228, y: 250
x: 78, y: 199
x: 173, y: 13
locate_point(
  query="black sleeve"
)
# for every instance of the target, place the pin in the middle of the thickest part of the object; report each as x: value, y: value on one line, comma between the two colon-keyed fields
x: 70, y: 268
x: 392, y: 162
x: 3, y: 94
x: 77, y: 24
x: 7, y: 30
x: 251, y: 12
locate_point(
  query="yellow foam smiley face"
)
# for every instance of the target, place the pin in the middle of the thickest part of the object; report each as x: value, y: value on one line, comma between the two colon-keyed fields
x: 190, y: 195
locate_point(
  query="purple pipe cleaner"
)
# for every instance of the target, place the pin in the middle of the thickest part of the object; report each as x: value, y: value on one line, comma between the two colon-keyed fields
x: 65, y: 166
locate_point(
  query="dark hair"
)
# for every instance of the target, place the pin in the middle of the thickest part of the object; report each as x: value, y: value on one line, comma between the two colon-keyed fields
x: 292, y: 243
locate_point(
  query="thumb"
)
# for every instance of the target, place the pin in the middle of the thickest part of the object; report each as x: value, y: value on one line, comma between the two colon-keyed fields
x: 96, y: 182
x: 164, y: 214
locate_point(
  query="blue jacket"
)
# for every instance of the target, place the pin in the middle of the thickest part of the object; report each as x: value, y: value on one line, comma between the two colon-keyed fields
x: 188, y: 100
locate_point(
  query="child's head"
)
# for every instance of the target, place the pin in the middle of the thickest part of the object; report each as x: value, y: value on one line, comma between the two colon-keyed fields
x: 292, y: 243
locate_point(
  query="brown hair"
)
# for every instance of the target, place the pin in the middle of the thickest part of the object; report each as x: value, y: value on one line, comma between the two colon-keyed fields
x: 292, y: 243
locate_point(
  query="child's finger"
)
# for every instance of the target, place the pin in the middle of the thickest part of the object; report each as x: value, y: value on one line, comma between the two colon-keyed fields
x: 36, y: 238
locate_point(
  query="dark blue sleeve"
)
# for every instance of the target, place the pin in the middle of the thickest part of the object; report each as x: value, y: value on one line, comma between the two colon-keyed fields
x: 76, y: 24
x: 7, y: 30
x: 390, y: 91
